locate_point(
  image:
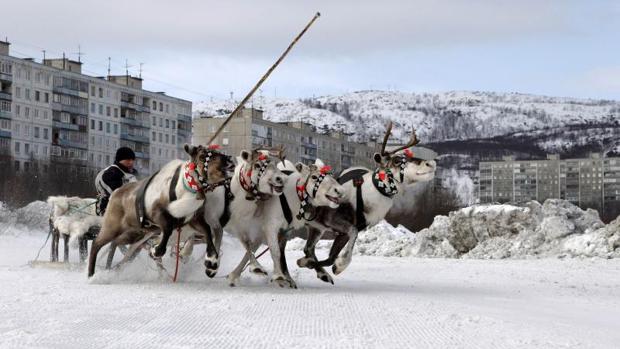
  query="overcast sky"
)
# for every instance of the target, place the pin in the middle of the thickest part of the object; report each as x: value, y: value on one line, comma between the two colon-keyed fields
x: 197, y: 48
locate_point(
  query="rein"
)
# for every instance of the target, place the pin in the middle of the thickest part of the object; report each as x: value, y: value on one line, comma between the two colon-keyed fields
x: 248, y: 184
x: 304, y: 196
x: 193, y: 180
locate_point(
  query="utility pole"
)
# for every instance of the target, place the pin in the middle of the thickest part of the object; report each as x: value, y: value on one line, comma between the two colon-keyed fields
x: 80, y: 53
x: 140, y: 73
x: 109, y: 64
x: 43, y: 55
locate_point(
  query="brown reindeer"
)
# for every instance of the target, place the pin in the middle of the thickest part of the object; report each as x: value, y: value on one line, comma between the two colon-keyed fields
x: 169, y: 198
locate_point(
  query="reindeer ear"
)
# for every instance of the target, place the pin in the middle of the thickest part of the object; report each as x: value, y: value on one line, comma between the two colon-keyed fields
x: 190, y: 149
x: 313, y: 167
x: 299, y: 167
x: 245, y: 155
x: 378, y: 158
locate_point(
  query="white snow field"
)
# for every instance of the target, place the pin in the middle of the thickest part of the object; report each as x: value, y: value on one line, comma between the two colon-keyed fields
x: 378, y: 302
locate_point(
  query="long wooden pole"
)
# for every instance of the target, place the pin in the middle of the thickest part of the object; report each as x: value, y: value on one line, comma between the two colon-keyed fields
x: 260, y: 82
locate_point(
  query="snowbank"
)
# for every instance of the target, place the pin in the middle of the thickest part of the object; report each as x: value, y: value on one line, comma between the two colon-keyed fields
x: 556, y: 228
x: 30, y: 218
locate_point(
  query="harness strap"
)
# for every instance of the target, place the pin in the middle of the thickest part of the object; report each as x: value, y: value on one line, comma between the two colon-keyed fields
x: 173, y: 184
x: 360, y: 219
x: 286, y: 210
x: 140, y: 201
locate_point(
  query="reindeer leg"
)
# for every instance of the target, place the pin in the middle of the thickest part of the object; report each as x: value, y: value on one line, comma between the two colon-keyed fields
x: 111, y: 252
x: 102, y: 239
x: 55, y: 241
x: 212, y: 257
x: 314, y: 235
x: 339, y: 242
x: 254, y: 266
x: 282, y: 240
x: 166, y: 222
x: 274, y: 247
x: 66, y: 246
x: 233, y: 277
x: 343, y: 261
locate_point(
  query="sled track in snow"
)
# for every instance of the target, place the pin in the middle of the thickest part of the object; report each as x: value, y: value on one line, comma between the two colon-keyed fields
x: 376, y: 303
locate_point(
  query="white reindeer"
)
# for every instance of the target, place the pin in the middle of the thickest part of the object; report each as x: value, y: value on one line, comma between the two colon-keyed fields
x: 267, y: 220
x: 369, y: 196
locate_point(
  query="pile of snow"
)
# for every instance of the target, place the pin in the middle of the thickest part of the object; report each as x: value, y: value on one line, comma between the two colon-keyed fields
x: 30, y: 218
x: 556, y: 228
x: 74, y: 216
x: 384, y: 240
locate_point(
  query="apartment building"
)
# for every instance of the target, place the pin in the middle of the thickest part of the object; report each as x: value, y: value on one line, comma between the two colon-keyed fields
x: 249, y: 130
x: 52, y: 114
x: 587, y: 182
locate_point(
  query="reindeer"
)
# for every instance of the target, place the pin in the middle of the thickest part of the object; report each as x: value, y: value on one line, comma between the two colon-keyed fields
x: 305, y: 188
x: 370, y: 196
x: 166, y: 200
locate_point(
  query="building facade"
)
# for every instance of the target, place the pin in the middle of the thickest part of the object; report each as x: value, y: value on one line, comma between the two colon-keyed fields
x: 51, y: 113
x: 592, y: 182
x: 249, y: 130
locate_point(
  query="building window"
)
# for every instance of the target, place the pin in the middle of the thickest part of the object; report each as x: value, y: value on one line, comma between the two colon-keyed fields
x: 100, y: 109
x: 108, y: 127
x: 115, y: 129
x: 16, y: 165
x: 154, y: 138
x: 108, y: 111
x: 100, y: 92
x: 115, y: 112
x: 17, y: 148
x: 160, y: 138
x: 100, y: 125
x: 92, y: 124
x: 154, y: 120
x: 167, y: 108
x: 45, y: 133
x: 167, y: 123
x: 92, y: 108
x: 161, y: 106
x: 167, y: 139
x: 172, y: 124
x: 27, y: 94
x: 161, y: 122
x: 36, y: 132
x: 224, y: 140
x: 37, y: 96
x: 154, y: 105
x: 47, y: 97
x: 92, y: 90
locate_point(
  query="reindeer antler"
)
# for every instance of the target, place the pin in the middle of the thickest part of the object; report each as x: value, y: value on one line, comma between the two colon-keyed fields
x: 413, y: 141
x: 388, y: 131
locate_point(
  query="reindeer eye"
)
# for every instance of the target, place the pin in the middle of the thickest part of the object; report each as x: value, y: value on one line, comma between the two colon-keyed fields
x: 314, y: 177
x: 256, y: 166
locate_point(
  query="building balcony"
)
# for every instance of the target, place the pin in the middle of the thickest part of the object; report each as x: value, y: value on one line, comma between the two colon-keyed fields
x: 5, y: 134
x: 70, y: 92
x: 4, y: 114
x: 134, y: 122
x: 71, y: 144
x: 134, y: 138
x: 183, y: 117
x: 136, y: 107
x: 66, y: 126
x: 6, y: 96
x: 309, y: 145
x: 81, y: 110
x: 4, y: 77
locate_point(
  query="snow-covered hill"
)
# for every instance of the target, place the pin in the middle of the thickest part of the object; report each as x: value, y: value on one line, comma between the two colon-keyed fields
x: 437, y: 117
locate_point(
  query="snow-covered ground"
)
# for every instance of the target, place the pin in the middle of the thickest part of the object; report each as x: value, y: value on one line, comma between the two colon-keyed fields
x: 379, y: 302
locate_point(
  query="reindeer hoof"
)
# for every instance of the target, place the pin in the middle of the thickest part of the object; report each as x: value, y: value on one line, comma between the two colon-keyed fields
x: 306, y: 262
x: 325, y: 277
x: 340, y: 265
x: 284, y: 281
x: 212, y: 264
x: 157, y: 252
x: 232, y: 280
x: 258, y: 270
x: 210, y: 273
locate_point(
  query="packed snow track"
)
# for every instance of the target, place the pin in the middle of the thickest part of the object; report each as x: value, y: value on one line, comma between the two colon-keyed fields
x: 378, y: 302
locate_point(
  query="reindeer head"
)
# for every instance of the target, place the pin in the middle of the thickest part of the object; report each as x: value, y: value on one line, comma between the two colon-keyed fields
x: 260, y: 172
x: 210, y: 163
x: 403, y: 162
x: 318, y: 181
